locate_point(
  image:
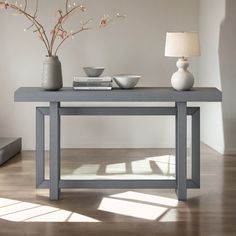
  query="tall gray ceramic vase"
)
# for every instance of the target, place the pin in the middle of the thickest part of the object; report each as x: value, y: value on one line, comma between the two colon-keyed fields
x: 52, y: 74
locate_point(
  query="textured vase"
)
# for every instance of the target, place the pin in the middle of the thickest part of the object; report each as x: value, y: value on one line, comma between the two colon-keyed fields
x: 52, y: 74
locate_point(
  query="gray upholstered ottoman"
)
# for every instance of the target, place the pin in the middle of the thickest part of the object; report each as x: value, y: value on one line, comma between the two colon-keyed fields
x: 9, y: 147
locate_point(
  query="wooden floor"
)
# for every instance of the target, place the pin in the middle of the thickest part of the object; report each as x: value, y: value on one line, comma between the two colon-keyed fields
x: 208, y: 211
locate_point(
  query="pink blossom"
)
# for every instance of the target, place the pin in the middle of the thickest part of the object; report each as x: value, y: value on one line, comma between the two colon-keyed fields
x: 104, y: 22
x: 4, y: 5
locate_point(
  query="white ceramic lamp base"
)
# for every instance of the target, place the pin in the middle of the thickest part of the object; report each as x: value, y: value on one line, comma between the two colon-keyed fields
x: 182, y: 80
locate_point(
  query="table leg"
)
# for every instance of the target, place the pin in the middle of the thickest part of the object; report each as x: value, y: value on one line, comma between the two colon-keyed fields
x: 196, y: 147
x: 181, y: 151
x: 54, y: 151
x: 176, y: 146
x: 40, y: 157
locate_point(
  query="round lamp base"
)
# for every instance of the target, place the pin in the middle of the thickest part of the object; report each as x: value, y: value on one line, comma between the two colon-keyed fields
x: 182, y: 79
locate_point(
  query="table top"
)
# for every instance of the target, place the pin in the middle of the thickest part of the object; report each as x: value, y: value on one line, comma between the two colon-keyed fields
x: 138, y: 94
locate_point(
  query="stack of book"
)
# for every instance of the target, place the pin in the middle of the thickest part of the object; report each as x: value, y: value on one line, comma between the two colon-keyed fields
x: 92, y: 83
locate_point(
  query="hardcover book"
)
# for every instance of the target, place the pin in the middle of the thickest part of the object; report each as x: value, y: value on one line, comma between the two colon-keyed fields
x: 92, y: 84
x: 92, y: 79
x: 92, y: 88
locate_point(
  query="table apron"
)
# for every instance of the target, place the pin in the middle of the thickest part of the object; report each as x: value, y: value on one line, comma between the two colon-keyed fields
x: 117, y: 111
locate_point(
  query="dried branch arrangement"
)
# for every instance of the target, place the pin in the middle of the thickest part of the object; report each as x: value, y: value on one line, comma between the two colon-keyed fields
x: 55, y: 39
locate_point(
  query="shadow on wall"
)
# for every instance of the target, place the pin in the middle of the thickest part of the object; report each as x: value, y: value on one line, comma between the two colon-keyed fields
x: 227, y: 55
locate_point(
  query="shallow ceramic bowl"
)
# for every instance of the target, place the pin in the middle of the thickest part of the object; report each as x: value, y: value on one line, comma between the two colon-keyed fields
x: 126, y: 81
x: 93, y: 71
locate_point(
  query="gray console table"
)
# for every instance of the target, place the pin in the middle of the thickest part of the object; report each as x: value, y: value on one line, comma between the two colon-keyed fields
x: 180, y: 111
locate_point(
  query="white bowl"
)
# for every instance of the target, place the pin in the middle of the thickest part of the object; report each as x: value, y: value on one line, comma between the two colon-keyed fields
x: 93, y: 71
x: 126, y: 81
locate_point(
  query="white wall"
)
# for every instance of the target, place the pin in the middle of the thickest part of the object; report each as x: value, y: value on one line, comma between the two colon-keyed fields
x: 134, y: 45
x: 211, y: 15
x: 227, y: 55
x: 217, y: 68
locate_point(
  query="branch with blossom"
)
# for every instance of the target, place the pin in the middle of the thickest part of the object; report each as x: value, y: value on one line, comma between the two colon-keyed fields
x: 58, y: 35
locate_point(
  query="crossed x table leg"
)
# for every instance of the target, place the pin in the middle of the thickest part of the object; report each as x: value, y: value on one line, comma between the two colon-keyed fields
x: 181, y: 111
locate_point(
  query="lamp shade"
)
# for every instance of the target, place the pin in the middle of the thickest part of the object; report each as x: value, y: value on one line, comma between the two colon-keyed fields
x: 182, y: 44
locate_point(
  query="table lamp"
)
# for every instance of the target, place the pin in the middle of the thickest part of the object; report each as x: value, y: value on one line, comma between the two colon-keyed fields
x: 182, y: 45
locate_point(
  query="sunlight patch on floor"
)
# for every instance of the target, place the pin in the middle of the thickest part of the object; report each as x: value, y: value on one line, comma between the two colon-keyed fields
x: 165, y: 163
x: 118, y: 168
x: 134, y: 209
x: 141, y: 167
x: 138, y: 205
x: 156, y: 167
x: 88, y: 169
x: 171, y: 216
x: 135, y: 196
x: 18, y: 211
